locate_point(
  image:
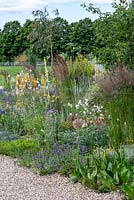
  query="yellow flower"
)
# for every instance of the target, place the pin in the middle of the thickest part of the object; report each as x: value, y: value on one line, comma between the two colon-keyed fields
x: 46, y: 70
x: 48, y: 97
x: 42, y: 80
x: 26, y: 78
x: 19, y: 104
x: 18, y: 81
x: 33, y: 82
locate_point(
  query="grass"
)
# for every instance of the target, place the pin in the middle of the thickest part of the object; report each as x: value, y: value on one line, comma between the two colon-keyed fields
x: 11, y: 70
x: 17, y: 147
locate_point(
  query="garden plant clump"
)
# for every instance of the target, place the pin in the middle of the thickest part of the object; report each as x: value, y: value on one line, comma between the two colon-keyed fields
x: 52, y: 130
x: 68, y: 107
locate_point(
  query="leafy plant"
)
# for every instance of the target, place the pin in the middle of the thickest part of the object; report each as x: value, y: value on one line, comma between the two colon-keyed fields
x: 104, y: 170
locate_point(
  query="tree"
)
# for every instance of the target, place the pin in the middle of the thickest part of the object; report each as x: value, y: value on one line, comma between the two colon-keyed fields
x: 11, y: 45
x: 42, y: 34
x: 82, y: 36
x: 115, y: 35
x: 24, y: 36
x: 1, y: 45
x: 49, y: 36
x: 60, y: 37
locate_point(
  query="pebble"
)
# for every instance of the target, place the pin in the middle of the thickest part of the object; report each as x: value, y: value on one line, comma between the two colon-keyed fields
x: 20, y: 183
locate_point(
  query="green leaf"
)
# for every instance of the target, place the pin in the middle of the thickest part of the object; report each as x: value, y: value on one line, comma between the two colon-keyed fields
x: 106, y: 180
x: 73, y: 179
x: 128, y: 190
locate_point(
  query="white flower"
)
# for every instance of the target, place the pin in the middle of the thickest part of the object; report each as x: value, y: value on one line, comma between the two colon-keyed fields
x: 93, y: 110
x: 70, y: 114
x: 86, y: 100
x: 77, y: 106
x: 84, y: 112
x: 86, y: 104
x: 17, y: 91
x: 79, y: 102
x: 70, y: 105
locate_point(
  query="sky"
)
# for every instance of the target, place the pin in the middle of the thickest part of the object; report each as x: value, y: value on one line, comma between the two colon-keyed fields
x: 69, y: 9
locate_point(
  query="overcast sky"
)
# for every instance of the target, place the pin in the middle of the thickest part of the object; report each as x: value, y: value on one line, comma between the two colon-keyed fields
x: 69, y: 9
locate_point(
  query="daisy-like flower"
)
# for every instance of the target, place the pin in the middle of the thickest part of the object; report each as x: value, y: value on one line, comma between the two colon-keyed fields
x: 79, y: 102
x: 70, y: 105
x: 77, y: 106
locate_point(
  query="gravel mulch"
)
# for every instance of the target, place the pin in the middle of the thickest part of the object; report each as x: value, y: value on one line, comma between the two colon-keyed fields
x: 18, y: 183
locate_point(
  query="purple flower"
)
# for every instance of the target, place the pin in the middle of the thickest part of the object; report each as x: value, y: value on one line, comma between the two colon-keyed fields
x: 47, y: 159
x: 32, y: 157
x: 54, y: 151
x: 37, y: 166
x: 71, y: 135
x: 55, y: 145
x: 8, y: 99
x: 39, y: 154
x: 53, y: 162
x: 1, y: 91
x: 51, y: 111
x: 1, y: 111
x: 42, y: 166
x: 83, y: 149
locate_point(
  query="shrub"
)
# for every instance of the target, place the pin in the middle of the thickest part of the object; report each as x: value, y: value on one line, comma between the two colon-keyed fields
x: 117, y: 93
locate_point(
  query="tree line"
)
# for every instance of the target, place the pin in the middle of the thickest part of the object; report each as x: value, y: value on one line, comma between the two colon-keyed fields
x: 110, y: 38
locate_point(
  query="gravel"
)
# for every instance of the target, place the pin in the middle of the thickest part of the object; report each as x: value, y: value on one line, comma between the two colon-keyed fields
x: 19, y: 183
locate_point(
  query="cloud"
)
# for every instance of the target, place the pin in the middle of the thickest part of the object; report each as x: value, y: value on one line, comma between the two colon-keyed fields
x: 30, y: 5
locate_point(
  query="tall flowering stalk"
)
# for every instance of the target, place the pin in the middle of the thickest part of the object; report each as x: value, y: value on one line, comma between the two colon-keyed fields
x: 18, y: 81
x: 46, y: 70
x: 46, y: 77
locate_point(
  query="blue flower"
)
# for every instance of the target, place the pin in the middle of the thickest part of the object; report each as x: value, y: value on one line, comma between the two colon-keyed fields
x: 42, y: 166
x: 71, y: 135
x: 83, y: 149
x: 39, y: 154
x: 1, y: 111
x: 32, y: 157
x: 1, y: 91
x: 47, y: 159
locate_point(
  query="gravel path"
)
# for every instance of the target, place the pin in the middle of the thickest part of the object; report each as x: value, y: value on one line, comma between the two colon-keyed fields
x: 18, y: 183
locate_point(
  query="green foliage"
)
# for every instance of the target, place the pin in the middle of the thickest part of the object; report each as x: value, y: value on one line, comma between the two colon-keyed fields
x: 117, y: 95
x: 10, y: 40
x: 13, y: 122
x: 48, y: 36
x: 114, y: 35
x: 104, y: 170
x: 18, y: 147
x: 25, y: 35
x: 81, y: 151
x: 128, y: 190
x: 120, y: 124
x: 80, y: 73
x: 11, y: 70
x: 80, y: 67
x: 81, y: 37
